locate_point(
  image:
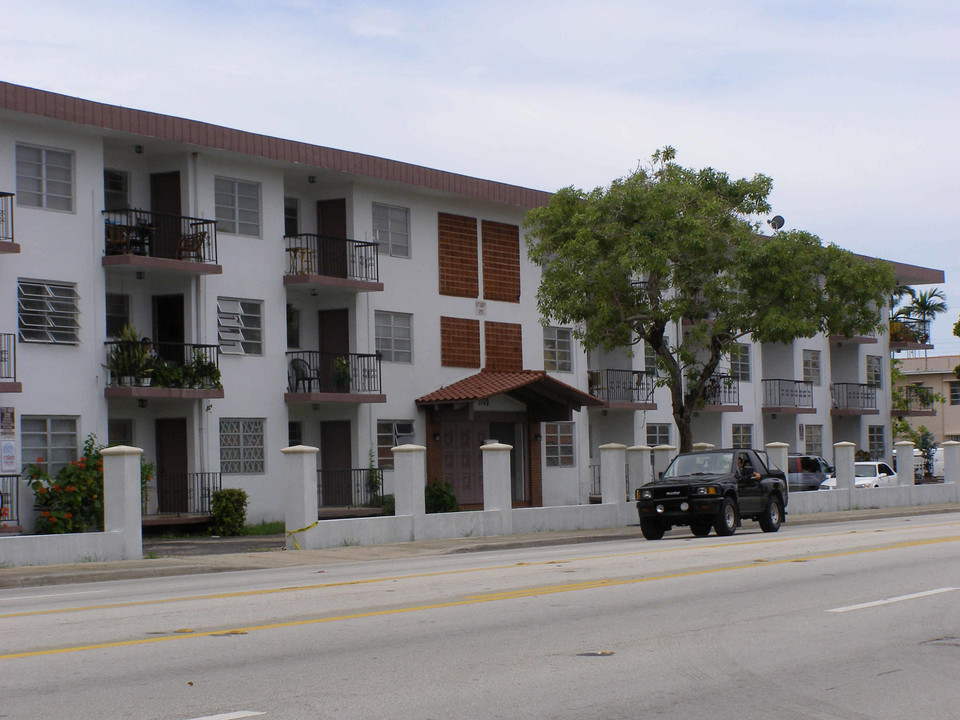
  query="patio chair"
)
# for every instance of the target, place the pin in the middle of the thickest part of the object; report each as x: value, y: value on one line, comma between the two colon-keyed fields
x: 301, y: 375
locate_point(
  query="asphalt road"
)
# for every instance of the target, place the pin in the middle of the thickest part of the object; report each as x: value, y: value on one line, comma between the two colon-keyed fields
x: 848, y: 621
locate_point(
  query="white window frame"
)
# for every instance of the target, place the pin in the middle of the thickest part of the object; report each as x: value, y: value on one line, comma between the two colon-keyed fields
x: 811, y: 367
x: 57, y: 443
x: 650, y: 360
x: 391, y: 229
x: 390, y: 434
x: 954, y: 392
x: 41, y: 181
x: 389, y: 330
x: 659, y: 434
x: 237, y: 206
x: 48, y: 312
x: 121, y: 193
x: 875, y: 371
x: 813, y: 440
x: 741, y: 436
x: 242, y: 442
x: 558, y: 349
x: 240, y: 326
x: 559, y: 445
x: 877, y: 450
x: 740, y: 362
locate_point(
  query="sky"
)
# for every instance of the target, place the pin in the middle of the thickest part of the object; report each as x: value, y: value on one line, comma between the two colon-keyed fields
x: 851, y: 106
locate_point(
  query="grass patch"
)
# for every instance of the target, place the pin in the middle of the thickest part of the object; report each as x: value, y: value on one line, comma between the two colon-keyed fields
x: 276, y: 527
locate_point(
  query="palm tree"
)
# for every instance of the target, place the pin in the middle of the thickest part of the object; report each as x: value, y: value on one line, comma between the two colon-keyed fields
x: 926, y: 305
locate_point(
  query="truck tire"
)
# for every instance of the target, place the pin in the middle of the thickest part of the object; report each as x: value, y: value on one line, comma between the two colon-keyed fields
x: 651, y: 529
x: 772, y: 515
x: 727, y: 518
x: 701, y: 528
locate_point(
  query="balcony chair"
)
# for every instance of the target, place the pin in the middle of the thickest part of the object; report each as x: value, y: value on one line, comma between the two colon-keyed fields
x: 302, y: 375
x: 190, y: 246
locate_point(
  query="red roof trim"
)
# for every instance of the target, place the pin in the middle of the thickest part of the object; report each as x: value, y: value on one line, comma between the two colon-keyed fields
x: 488, y: 383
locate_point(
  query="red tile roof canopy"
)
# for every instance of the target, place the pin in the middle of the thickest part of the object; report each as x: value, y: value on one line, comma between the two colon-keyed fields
x: 18, y: 98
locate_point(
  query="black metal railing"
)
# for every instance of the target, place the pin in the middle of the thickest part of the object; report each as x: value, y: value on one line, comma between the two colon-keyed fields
x: 909, y: 330
x: 165, y: 365
x: 629, y: 386
x: 916, y: 399
x: 788, y: 393
x: 6, y: 217
x: 10, y: 493
x: 312, y: 254
x: 189, y: 493
x: 158, y: 235
x: 722, y: 390
x: 8, y: 356
x: 853, y: 396
x: 350, y: 487
x: 315, y: 371
x: 594, y: 479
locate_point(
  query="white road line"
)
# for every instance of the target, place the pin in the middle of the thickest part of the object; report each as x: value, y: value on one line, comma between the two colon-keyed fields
x: 231, y: 716
x: 888, y: 601
x: 53, y: 595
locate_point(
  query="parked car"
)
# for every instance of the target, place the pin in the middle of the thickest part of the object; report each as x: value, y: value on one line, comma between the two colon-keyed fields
x: 866, y: 475
x: 714, y: 489
x: 807, y: 472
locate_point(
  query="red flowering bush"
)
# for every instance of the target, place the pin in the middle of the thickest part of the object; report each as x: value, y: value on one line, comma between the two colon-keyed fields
x: 73, y: 500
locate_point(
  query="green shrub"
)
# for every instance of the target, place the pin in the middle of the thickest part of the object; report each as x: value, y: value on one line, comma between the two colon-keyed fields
x: 438, y: 497
x: 71, y: 502
x: 229, y: 509
x: 389, y: 505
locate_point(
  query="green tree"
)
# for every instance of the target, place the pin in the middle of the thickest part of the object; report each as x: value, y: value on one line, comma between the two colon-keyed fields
x: 670, y: 247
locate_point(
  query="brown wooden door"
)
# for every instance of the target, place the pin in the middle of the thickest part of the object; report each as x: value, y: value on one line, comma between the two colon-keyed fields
x: 171, y: 445
x: 333, y: 333
x: 462, y: 465
x: 332, y: 229
x: 336, y: 457
x: 165, y: 202
x: 168, y: 328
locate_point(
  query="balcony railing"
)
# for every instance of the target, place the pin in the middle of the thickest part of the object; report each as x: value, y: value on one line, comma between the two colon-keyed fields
x: 722, y: 390
x: 915, y: 399
x: 312, y: 371
x: 162, y: 365
x: 10, y: 493
x: 8, y: 357
x: 788, y: 393
x: 311, y: 254
x: 350, y: 487
x: 594, y: 479
x: 853, y: 396
x: 624, y: 386
x: 6, y: 217
x: 185, y: 493
x: 909, y: 331
x: 158, y: 235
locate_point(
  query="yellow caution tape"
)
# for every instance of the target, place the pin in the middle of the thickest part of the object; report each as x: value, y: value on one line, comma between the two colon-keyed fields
x: 303, y: 529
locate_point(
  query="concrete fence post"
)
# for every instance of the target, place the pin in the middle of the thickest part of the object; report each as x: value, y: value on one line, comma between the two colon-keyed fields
x: 951, y: 461
x: 777, y: 452
x: 844, y: 464
x: 121, y: 498
x: 410, y: 479
x: 497, y: 495
x: 301, y: 499
x: 905, y: 462
x: 662, y: 455
x: 613, y: 473
x: 640, y: 470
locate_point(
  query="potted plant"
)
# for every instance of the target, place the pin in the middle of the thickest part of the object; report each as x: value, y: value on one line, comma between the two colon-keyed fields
x: 341, y: 374
x: 130, y: 359
x: 204, y: 372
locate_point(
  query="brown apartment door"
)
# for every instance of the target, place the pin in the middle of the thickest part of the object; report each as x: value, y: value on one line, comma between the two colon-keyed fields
x: 333, y: 333
x: 336, y: 456
x: 332, y: 229
x: 171, y: 444
x: 165, y: 203
x: 460, y: 455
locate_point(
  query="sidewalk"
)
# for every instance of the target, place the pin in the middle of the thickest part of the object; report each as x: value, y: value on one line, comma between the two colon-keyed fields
x: 191, y: 556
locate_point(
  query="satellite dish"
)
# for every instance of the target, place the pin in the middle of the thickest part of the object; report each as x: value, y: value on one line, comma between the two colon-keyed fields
x: 776, y: 222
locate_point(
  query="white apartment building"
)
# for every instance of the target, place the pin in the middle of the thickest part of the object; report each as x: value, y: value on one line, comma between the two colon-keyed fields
x: 346, y: 301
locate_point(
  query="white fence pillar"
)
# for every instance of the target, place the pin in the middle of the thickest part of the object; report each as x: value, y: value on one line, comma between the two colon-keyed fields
x: 300, y: 495
x: 640, y: 469
x: 662, y: 455
x: 905, y: 462
x: 777, y: 452
x: 951, y: 461
x: 121, y: 498
x: 497, y: 495
x: 844, y: 464
x: 613, y: 473
x: 701, y: 446
x: 410, y: 479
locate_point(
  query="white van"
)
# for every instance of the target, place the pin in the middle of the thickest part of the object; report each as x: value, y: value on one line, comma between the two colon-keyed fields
x: 918, y: 463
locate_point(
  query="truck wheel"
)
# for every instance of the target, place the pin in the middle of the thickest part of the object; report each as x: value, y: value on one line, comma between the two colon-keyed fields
x: 726, y: 523
x: 701, y: 528
x: 651, y: 529
x: 772, y: 515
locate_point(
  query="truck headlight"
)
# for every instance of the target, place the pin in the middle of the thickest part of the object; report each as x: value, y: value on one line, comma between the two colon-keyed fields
x: 645, y: 494
x: 706, y: 490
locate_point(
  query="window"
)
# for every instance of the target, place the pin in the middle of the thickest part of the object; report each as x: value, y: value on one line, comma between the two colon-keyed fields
x: 115, y: 190
x: 44, y: 178
x: 658, y: 434
x: 874, y: 371
x: 237, y: 206
x: 49, y: 312
x: 241, y: 446
x: 740, y: 363
x: 49, y: 442
x: 650, y: 360
x: 291, y: 216
x: 240, y: 326
x: 294, y: 433
x: 557, y: 349
x: 394, y: 336
x: 119, y: 432
x: 118, y: 313
x: 391, y: 229
x: 742, y: 436
x: 391, y: 433
x: 813, y: 439
x: 955, y: 393
x: 876, y: 445
x: 558, y: 443
x: 293, y: 326
x: 811, y: 366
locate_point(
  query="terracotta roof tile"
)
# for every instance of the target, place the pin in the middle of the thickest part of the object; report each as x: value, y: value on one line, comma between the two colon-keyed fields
x: 488, y: 383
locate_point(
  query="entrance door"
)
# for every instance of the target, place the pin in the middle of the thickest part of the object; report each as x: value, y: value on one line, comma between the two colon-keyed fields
x: 511, y: 433
x: 333, y: 333
x: 168, y: 328
x: 462, y: 465
x: 165, y: 203
x: 171, y: 444
x: 332, y: 229
x: 336, y: 456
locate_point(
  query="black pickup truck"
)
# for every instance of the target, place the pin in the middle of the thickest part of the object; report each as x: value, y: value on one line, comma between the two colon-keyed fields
x: 713, y: 489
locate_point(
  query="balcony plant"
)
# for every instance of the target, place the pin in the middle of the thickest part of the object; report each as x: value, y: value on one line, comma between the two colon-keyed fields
x: 203, y: 372
x: 166, y: 375
x: 341, y: 374
x: 130, y: 358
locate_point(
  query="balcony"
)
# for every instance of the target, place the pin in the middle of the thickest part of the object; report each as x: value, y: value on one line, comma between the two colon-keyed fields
x: 7, y: 244
x: 314, y: 376
x: 10, y: 507
x: 350, y: 487
x: 180, y: 494
x: 722, y: 394
x: 623, y: 389
x: 162, y: 371
x: 913, y: 401
x: 8, y: 364
x: 853, y: 399
x: 910, y: 334
x: 146, y: 240
x: 321, y: 261
x: 790, y: 397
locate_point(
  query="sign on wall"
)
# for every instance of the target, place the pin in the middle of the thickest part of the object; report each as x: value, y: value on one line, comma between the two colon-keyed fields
x: 8, y: 441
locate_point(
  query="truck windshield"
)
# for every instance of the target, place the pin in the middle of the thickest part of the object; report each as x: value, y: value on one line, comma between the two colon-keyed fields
x: 708, y: 463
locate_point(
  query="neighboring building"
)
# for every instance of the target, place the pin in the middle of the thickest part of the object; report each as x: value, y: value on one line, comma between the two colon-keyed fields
x: 930, y: 395
x: 293, y: 293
